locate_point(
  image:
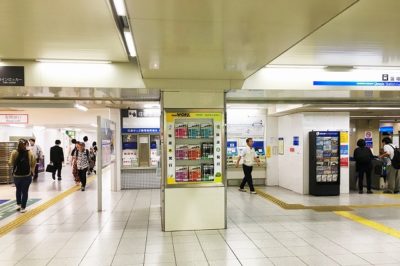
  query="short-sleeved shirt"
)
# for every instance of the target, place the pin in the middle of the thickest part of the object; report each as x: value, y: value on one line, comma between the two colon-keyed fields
x: 82, y: 159
x: 248, y: 155
x: 389, y: 149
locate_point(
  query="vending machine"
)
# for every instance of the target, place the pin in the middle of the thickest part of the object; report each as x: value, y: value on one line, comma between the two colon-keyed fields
x: 324, y: 163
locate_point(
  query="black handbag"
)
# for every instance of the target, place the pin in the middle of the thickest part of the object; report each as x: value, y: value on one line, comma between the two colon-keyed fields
x: 50, y: 168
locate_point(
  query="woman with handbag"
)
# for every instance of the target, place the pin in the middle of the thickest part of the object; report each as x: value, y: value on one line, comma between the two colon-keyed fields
x: 82, y: 162
x: 23, y: 163
x: 74, y: 162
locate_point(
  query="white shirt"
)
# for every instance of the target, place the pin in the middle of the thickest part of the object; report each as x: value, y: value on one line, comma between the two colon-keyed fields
x: 248, y: 155
x: 36, y: 151
x: 389, y: 150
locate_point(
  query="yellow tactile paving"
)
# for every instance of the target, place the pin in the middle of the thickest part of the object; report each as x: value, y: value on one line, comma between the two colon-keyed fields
x: 23, y: 218
x: 377, y: 226
x: 288, y: 206
x: 341, y: 210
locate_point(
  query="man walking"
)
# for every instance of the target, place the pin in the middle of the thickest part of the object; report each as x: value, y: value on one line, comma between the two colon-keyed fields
x: 57, y: 158
x: 392, y: 173
x: 37, y: 152
x: 249, y: 156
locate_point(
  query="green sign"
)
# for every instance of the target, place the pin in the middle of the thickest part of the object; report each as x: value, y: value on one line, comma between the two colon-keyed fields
x: 70, y: 133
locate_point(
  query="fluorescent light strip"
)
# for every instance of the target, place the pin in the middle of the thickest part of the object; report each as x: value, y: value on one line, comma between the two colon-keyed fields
x: 120, y: 7
x: 360, y: 108
x: 93, y: 125
x: 340, y: 108
x: 73, y: 61
x: 149, y: 106
x: 295, y: 66
x: 17, y: 125
x: 81, y: 107
x: 378, y: 68
x: 381, y: 116
x: 382, y: 108
x: 129, y: 41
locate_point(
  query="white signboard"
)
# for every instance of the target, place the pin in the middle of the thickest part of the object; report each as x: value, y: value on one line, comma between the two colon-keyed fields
x: 13, y: 118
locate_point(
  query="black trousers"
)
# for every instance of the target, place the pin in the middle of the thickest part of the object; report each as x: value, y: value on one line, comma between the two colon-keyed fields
x: 361, y: 170
x: 22, y: 187
x: 82, y: 176
x: 36, y: 171
x: 57, y: 168
x: 247, y: 177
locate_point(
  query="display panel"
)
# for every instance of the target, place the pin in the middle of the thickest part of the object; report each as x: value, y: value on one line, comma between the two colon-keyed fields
x: 194, y: 147
x: 324, y: 163
x: 129, y: 150
x: 327, y: 157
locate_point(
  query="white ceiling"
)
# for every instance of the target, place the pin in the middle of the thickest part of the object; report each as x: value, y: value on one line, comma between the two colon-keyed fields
x: 221, y: 39
x: 367, y: 34
x: 204, y: 40
x: 59, y: 29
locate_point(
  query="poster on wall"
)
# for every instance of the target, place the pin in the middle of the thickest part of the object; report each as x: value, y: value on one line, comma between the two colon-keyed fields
x: 256, y: 130
x: 296, y: 140
x: 281, y: 146
x: 107, y: 138
x: 368, y: 139
x: 14, y: 119
x: 194, y: 147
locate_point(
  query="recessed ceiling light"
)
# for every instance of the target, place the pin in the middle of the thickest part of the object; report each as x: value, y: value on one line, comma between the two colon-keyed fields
x: 129, y: 42
x: 81, y: 107
x: 73, y: 61
x: 120, y: 7
x: 340, y: 108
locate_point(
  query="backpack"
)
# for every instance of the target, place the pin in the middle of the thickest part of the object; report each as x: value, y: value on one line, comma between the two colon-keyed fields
x: 396, y: 158
x: 21, y: 165
x: 363, y: 156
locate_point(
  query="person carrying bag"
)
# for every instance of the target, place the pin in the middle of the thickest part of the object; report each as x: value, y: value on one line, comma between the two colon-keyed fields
x: 23, y: 163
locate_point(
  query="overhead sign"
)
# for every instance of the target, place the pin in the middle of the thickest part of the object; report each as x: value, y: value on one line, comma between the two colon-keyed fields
x: 387, y: 80
x: 140, y: 130
x: 357, y: 83
x: 12, y: 76
x: 14, y: 119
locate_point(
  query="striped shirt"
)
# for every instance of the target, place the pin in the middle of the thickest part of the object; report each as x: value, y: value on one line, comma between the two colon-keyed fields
x: 82, y: 161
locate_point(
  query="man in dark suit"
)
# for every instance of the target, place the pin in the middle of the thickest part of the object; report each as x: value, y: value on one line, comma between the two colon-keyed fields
x: 57, y: 158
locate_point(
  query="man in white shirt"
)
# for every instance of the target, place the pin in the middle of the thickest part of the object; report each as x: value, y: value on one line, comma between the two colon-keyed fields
x: 392, y: 173
x: 249, y: 156
x: 37, y: 152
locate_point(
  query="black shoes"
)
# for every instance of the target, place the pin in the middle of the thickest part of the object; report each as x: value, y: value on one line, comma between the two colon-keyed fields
x: 54, y: 178
x: 368, y: 192
x: 59, y: 178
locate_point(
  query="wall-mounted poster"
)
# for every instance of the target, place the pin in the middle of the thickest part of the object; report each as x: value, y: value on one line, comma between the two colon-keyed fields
x: 324, y: 163
x: 194, y: 148
x: 281, y: 146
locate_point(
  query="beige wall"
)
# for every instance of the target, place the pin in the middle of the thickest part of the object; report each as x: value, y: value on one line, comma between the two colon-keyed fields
x: 357, y: 131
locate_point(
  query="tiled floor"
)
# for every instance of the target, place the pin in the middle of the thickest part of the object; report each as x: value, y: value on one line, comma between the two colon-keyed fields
x: 128, y: 232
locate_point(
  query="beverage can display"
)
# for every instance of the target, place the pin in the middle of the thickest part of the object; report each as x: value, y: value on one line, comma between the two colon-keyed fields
x: 207, y: 172
x: 194, y: 173
x: 181, y: 174
x: 206, y: 130
x: 194, y: 152
x: 207, y: 150
x: 181, y: 152
x: 181, y: 131
x: 193, y: 130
